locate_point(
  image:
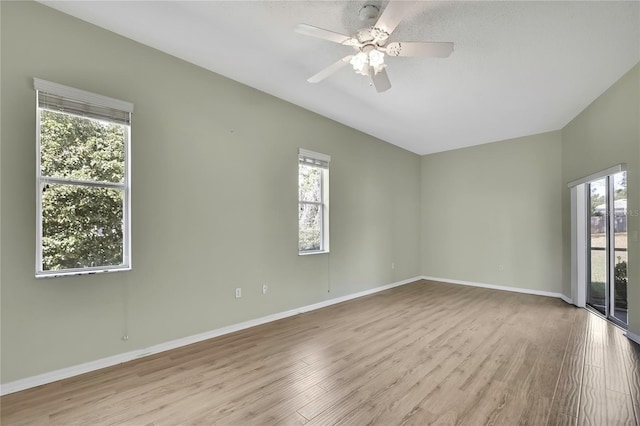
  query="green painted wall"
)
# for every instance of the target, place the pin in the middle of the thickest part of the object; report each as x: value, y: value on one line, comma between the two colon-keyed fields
x: 491, y: 214
x: 214, y: 201
x: 607, y: 133
x: 507, y: 203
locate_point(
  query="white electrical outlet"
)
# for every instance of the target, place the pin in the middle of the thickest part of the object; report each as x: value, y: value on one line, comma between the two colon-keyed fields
x: 265, y: 288
x: 393, y: 265
x: 238, y: 293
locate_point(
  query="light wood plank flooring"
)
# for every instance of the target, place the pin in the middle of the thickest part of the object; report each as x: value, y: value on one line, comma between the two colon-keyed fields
x: 424, y: 353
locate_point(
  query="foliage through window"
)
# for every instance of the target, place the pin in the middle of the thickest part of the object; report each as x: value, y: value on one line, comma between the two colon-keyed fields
x: 313, y: 206
x: 83, y: 181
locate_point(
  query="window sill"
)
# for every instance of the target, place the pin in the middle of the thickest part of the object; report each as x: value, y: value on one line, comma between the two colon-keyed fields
x: 57, y: 274
x: 309, y: 253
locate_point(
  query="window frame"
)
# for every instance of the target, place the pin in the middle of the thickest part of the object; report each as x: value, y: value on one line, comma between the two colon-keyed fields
x: 321, y: 162
x: 102, y: 103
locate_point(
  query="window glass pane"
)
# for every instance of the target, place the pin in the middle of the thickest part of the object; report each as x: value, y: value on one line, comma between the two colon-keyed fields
x: 309, y: 183
x: 80, y: 148
x: 309, y: 225
x: 620, y: 247
x: 81, y: 226
x: 598, y: 245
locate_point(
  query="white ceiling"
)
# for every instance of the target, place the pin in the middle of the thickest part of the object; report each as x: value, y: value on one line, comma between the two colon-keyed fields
x: 518, y: 68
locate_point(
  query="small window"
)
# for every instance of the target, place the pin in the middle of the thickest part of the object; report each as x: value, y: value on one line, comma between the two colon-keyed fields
x: 313, y: 202
x: 83, y: 181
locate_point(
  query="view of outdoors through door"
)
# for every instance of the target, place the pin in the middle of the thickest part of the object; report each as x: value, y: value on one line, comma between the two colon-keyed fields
x: 619, y: 253
x: 607, y: 289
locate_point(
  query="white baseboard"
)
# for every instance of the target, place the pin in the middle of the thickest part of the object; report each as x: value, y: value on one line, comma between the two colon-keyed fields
x: 566, y: 299
x: 501, y: 287
x: 633, y: 336
x: 64, y: 373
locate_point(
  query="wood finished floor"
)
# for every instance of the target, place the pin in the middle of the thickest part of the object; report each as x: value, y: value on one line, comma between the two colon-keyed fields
x: 424, y: 353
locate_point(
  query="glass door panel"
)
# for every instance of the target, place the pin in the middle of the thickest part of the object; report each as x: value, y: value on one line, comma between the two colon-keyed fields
x: 597, y: 246
x: 619, y: 288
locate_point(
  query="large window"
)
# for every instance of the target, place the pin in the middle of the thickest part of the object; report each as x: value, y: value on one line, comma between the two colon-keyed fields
x: 313, y: 202
x: 83, y: 181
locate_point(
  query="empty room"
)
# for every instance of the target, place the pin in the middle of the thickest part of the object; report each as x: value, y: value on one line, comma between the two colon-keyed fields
x: 320, y: 213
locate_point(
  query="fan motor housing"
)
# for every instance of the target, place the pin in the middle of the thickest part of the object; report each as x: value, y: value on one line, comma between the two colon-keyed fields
x: 372, y: 35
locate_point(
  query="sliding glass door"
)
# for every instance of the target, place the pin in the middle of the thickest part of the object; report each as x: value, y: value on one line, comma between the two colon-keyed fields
x: 607, y: 247
x: 597, y: 289
x: 618, y: 291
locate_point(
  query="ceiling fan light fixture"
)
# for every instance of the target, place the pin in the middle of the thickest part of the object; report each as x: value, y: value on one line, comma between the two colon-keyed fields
x: 376, y: 58
x: 365, y: 62
x: 360, y: 63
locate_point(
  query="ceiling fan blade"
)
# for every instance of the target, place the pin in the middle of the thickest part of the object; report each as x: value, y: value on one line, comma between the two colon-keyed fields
x: 329, y: 70
x: 381, y: 80
x: 431, y: 49
x: 391, y: 16
x: 312, y: 31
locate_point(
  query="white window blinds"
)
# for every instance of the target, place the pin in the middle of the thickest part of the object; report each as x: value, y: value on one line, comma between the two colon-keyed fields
x: 313, y: 158
x: 69, y: 100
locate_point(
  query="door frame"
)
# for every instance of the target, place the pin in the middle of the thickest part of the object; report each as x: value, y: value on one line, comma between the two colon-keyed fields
x: 579, y: 198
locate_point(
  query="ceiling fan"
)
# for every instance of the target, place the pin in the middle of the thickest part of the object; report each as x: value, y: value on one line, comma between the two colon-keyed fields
x: 371, y: 44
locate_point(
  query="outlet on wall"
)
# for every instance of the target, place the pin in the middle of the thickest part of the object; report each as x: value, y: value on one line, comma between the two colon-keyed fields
x: 238, y: 293
x: 265, y: 288
x: 393, y: 265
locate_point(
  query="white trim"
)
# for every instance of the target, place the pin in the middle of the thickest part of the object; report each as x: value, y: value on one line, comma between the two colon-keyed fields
x: 579, y: 232
x: 573, y: 201
x: 125, y: 186
x: 566, y: 299
x: 82, y: 271
x: 595, y: 176
x: 500, y: 287
x: 93, y: 184
x: 315, y: 155
x: 81, y: 95
x: 86, y: 367
x: 309, y: 253
x: 632, y: 336
x: 321, y: 162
